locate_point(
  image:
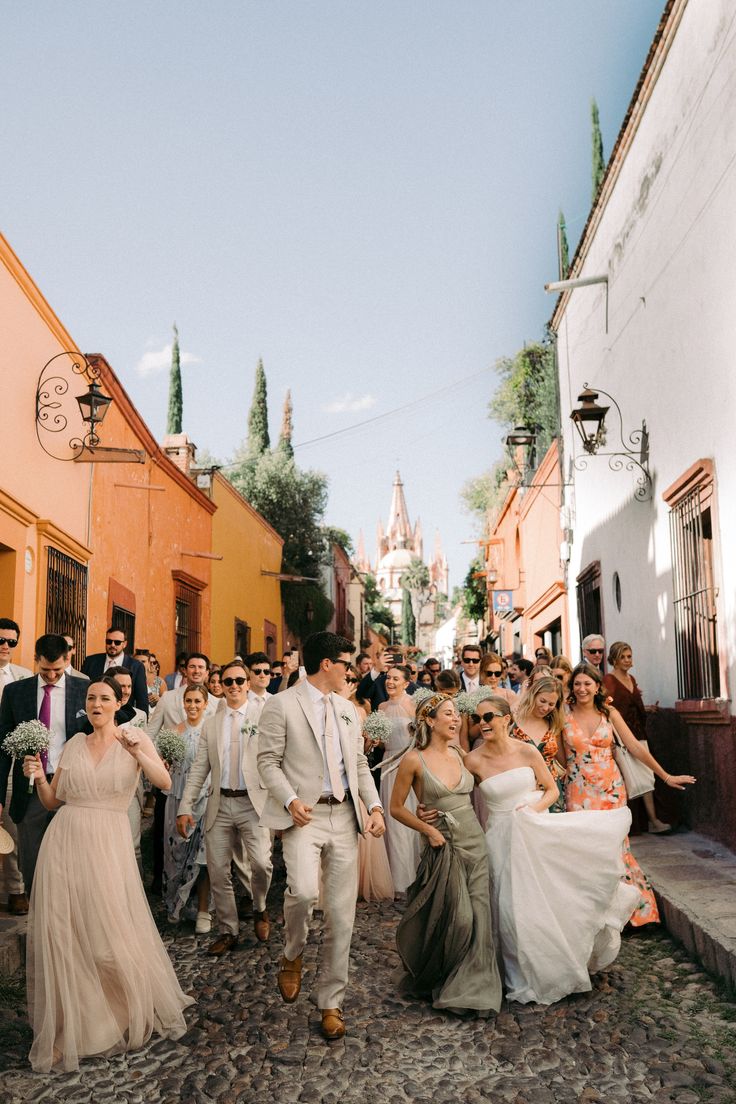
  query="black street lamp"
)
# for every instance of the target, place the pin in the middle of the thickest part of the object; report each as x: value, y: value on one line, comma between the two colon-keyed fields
x: 93, y: 406
x: 590, y: 420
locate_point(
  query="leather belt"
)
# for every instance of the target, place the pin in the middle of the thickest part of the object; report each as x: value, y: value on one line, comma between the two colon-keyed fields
x: 234, y: 793
x: 330, y: 799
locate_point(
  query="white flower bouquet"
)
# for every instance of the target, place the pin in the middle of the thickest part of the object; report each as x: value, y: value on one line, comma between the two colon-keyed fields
x: 422, y: 694
x: 171, y: 746
x: 28, y: 738
x: 377, y: 727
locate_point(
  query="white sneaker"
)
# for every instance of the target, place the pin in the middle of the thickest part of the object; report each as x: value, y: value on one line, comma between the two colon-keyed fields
x: 203, y: 924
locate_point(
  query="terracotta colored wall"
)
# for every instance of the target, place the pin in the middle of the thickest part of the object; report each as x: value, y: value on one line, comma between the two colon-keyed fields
x: 140, y: 536
x: 42, y: 500
x: 246, y: 543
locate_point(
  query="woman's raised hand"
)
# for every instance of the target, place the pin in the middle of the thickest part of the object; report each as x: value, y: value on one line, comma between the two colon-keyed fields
x: 679, y: 781
x: 129, y: 738
x: 33, y: 767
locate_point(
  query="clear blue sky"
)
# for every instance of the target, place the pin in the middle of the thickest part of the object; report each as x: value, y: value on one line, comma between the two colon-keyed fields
x: 364, y: 194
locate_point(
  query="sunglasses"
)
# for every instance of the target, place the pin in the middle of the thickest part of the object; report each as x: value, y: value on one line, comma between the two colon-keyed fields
x: 239, y: 681
x: 260, y: 670
x: 352, y: 681
x: 495, y: 672
x: 468, y: 659
x: 109, y: 641
x: 596, y: 651
x: 540, y: 655
x: 10, y: 643
x: 345, y: 662
x: 485, y: 718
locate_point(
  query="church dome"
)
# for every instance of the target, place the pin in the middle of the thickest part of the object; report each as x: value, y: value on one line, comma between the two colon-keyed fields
x: 397, y: 560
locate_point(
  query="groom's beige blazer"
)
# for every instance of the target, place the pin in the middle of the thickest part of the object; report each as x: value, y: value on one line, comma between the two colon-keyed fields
x: 209, y: 758
x: 290, y: 755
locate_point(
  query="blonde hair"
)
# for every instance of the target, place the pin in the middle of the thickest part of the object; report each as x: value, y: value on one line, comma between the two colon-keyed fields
x: 420, y: 730
x: 527, y: 701
x: 562, y: 663
x: 499, y: 703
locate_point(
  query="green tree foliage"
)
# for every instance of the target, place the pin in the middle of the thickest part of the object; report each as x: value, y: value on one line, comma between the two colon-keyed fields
x: 527, y: 394
x: 258, y: 439
x: 175, y: 413
x: 475, y: 594
x: 563, y: 248
x: 285, y: 444
x: 307, y: 609
x: 480, y: 494
x: 408, y: 624
x: 377, y: 613
x: 416, y: 576
x: 599, y: 164
x: 333, y: 535
x: 293, y: 502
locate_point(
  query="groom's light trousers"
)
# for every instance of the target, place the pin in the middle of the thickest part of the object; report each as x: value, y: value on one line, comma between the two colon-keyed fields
x: 327, y: 845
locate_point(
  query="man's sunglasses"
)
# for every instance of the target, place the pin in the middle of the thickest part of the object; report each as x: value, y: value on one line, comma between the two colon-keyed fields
x: 596, y: 651
x: 485, y: 718
x: 239, y: 681
x: 470, y: 659
x: 10, y: 643
x: 260, y: 670
x: 109, y: 640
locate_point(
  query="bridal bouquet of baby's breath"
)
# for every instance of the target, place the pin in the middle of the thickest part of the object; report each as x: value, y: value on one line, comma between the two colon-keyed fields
x: 27, y: 738
x: 377, y: 727
x: 465, y: 702
x: 171, y: 746
x: 422, y: 694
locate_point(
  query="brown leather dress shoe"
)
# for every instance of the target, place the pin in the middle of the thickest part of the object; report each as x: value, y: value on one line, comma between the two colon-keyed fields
x: 261, y: 926
x: 17, y: 904
x: 333, y: 1024
x: 224, y: 943
x: 290, y: 978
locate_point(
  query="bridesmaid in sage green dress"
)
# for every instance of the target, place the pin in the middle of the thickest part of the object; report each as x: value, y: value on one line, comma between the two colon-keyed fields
x: 445, y: 938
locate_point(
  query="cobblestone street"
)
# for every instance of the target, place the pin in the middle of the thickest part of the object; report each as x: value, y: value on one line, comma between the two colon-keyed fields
x: 654, y: 1028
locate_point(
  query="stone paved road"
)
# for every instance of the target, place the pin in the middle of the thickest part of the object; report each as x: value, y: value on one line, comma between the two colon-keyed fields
x: 654, y: 1028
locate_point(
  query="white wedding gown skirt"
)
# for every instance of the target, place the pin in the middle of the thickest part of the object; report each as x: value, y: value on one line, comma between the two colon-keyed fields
x: 558, y: 897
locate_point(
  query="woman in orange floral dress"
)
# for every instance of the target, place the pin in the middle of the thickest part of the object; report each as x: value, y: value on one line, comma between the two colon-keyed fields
x: 593, y: 778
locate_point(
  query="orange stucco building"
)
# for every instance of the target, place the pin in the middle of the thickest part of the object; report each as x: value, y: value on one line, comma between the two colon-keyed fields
x: 137, y: 542
x: 523, y: 555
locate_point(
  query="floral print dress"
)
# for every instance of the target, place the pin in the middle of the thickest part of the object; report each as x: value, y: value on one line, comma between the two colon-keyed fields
x: 594, y: 782
x: 547, y: 747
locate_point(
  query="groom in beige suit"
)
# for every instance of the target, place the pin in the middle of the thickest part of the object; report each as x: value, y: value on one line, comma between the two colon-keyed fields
x: 235, y: 804
x: 311, y: 762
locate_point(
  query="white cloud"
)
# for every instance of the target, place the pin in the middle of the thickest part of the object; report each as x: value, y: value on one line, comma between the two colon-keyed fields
x: 347, y: 404
x: 159, y: 360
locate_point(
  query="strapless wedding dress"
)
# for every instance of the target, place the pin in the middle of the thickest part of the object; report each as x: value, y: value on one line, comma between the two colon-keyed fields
x: 559, y: 901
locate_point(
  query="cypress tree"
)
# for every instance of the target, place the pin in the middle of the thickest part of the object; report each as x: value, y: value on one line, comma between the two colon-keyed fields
x: 408, y: 627
x: 563, y: 249
x: 599, y: 165
x: 176, y: 400
x: 258, y: 439
x: 285, y: 444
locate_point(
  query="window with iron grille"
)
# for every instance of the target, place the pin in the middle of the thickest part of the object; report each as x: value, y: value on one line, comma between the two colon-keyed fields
x: 590, y: 607
x: 187, y: 619
x: 124, y: 620
x: 696, y: 635
x: 66, y: 598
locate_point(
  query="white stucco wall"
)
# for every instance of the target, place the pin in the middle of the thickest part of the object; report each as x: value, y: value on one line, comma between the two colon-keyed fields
x: 667, y: 240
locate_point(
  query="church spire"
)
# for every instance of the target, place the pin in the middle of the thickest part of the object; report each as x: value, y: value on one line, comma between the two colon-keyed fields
x: 398, y: 533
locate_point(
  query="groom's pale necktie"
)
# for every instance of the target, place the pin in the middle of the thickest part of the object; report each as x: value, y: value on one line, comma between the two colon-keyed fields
x: 333, y: 773
x: 235, y: 720
x: 44, y: 716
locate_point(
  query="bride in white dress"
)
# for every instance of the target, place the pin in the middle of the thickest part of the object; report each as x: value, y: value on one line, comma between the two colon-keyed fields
x: 558, y: 899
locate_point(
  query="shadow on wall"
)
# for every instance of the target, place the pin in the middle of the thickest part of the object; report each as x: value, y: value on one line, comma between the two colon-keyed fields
x: 624, y: 543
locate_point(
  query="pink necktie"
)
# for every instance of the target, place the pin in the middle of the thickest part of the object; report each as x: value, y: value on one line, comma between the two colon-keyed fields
x: 44, y: 716
x: 235, y: 720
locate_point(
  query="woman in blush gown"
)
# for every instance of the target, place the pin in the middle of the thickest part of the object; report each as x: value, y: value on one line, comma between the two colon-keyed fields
x: 99, y: 979
x: 402, y: 844
x: 593, y: 779
x: 559, y: 901
x: 445, y: 937
x: 374, y: 873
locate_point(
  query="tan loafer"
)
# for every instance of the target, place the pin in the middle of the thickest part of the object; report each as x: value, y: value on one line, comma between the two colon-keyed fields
x: 261, y: 926
x: 290, y: 978
x: 333, y: 1024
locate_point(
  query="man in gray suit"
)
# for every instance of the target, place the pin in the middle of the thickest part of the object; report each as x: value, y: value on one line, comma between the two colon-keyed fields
x: 311, y: 762
x: 228, y: 749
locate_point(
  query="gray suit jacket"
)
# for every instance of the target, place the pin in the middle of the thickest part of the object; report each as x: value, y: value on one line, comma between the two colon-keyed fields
x: 290, y: 755
x: 209, y: 759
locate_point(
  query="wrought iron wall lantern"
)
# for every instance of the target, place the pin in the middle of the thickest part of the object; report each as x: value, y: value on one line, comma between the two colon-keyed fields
x: 56, y: 415
x: 524, y: 438
x: 590, y: 421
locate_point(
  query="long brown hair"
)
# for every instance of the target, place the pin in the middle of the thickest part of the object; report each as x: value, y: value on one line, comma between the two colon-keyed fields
x: 601, y: 695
